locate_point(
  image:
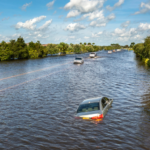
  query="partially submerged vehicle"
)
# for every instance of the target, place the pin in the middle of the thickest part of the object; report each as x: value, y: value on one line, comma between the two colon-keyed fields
x: 95, y: 108
x: 109, y: 52
x: 114, y: 50
x: 118, y: 50
x: 78, y: 60
x: 93, y: 54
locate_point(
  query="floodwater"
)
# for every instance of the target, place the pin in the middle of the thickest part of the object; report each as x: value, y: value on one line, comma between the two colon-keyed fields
x: 39, y: 98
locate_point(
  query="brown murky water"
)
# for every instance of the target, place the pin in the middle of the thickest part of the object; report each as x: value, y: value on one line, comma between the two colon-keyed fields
x: 38, y: 100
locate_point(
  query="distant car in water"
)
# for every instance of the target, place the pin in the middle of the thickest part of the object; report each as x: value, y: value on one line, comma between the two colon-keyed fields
x: 95, y: 108
x: 109, y: 52
x: 93, y: 54
x: 114, y: 50
x: 118, y: 50
x: 78, y: 60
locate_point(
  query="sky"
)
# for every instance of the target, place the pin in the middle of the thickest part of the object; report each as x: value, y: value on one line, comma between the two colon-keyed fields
x: 102, y: 22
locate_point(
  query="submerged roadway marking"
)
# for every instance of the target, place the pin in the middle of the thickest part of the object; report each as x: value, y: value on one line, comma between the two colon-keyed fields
x: 32, y: 72
x: 32, y: 80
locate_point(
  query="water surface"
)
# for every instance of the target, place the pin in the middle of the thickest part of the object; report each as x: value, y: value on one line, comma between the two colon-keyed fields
x: 39, y: 97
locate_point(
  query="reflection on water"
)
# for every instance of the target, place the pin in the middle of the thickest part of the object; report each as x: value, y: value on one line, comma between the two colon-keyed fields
x: 38, y: 113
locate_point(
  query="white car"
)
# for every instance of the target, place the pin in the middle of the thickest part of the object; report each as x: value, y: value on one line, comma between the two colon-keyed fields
x: 92, y: 55
x: 109, y: 52
x: 118, y: 50
x: 95, y: 108
x: 78, y: 60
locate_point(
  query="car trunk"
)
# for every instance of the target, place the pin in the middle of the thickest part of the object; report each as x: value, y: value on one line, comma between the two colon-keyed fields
x: 89, y: 114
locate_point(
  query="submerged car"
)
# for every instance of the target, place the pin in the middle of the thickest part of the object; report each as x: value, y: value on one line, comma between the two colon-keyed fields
x: 78, y: 60
x: 109, y: 52
x: 95, y: 108
x: 93, y: 54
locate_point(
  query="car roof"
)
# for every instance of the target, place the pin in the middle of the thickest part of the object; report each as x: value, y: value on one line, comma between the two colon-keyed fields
x: 91, y: 100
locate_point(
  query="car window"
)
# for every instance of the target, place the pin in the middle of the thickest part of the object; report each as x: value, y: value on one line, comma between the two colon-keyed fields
x: 104, y: 102
x: 88, y: 107
x: 78, y: 58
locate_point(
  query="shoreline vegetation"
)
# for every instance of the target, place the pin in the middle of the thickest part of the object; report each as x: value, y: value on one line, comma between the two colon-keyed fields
x: 18, y: 49
x: 142, y: 51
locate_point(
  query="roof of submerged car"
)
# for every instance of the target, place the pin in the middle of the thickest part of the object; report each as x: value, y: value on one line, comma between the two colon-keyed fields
x: 91, y: 100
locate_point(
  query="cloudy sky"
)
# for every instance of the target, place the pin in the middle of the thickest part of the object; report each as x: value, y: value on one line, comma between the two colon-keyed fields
x: 73, y: 21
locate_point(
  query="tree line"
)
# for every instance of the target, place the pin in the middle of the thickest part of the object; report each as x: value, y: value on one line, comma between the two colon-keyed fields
x: 117, y: 46
x: 142, y: 50
x: 18, y: 49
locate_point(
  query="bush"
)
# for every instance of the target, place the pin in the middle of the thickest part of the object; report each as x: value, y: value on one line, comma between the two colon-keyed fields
x: 77, y: 49
x: 148, y: 63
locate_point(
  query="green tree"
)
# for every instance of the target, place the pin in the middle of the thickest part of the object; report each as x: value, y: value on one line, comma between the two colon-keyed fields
x: 52, y: 49
x: 146, y: 52
x: 63, y: 47
x: 89, y: 43
x: 71, y: 44
x: 83, y: 48
x: 77, y: 49
x: 89, y: 48
x: 20, y: 49
x: 84, y: 43
x: 4, y: 51
x: 139, y: 49
x: 132, y: 44
x: 70, y: 49
x: 115, y: 46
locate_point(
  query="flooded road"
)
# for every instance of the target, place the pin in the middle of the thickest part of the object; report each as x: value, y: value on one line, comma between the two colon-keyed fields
x: 38, y: 100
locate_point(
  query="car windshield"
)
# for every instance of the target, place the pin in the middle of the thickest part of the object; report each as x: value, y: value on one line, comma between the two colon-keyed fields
x: 92, y: 53
x: 88, y: 107
x: 78, y: 58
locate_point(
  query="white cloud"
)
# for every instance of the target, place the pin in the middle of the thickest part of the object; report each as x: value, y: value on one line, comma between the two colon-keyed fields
x: 96, y: 34
x: 45, y: 26
x: 86, y: 37
x: 84, y: 6
x: 125, y: 24
x: 95, y: 23
x: 137, y: 36
x: 95, y: 14
x: 29, y: 24
x: 144, y: 8
x: 72, y: 37
x: 25, y: 6
x: 111, y: 17
x: 102, y: 22
x: 39, y: 35
x: 75, y: 27
x: 73, y: 13
x: 16, y: 35
x: 50, y: 4
x: 119, y: 3
x: 144, y: 26
x: 124, y: 32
